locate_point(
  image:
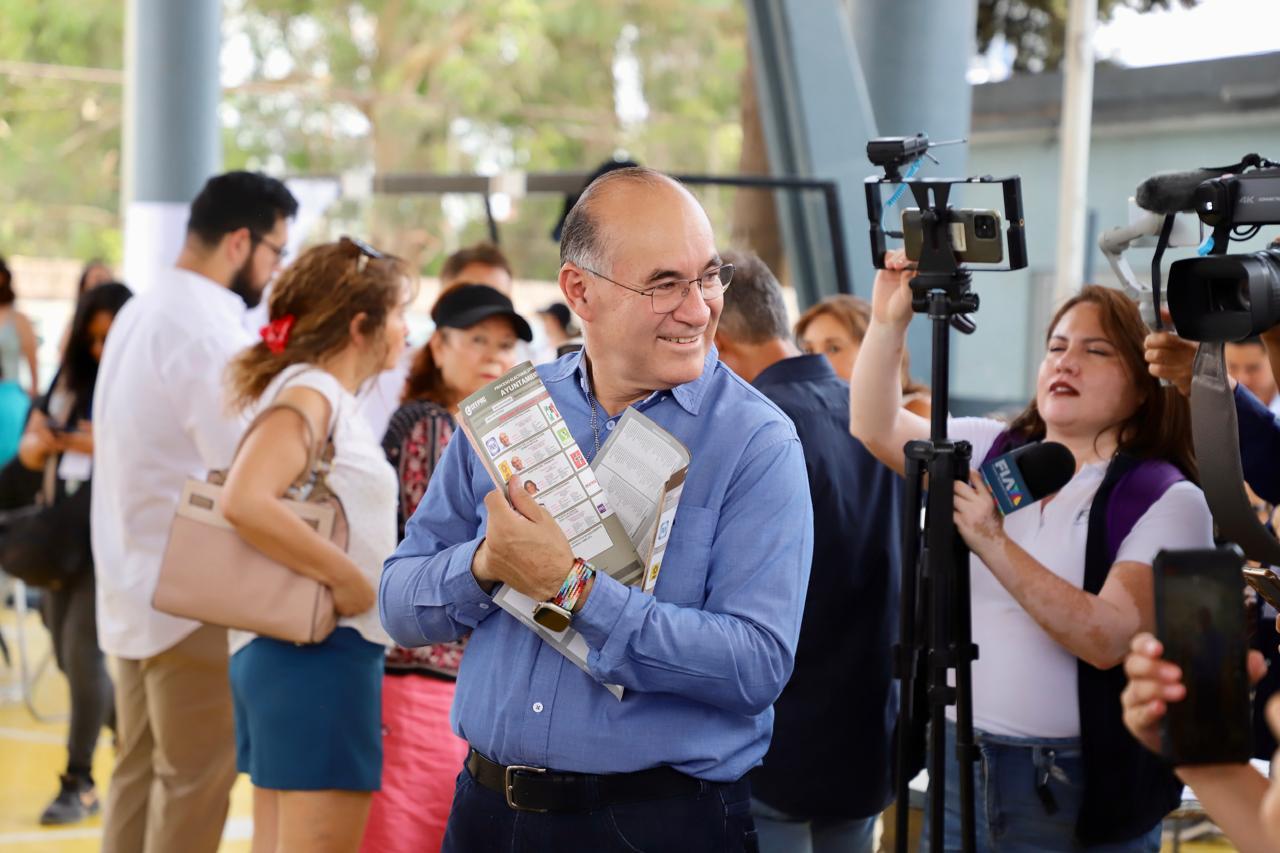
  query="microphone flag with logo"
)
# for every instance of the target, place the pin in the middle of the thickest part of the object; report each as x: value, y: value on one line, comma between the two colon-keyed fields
x: 1021, y: 477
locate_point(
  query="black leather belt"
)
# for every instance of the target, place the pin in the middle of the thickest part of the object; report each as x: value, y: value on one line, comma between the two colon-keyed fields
x: 537, y: 789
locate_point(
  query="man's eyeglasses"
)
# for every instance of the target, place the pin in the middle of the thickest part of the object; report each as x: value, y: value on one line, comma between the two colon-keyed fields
x: 362, y: 251
x: 670, y: 295
x: 281, y: 251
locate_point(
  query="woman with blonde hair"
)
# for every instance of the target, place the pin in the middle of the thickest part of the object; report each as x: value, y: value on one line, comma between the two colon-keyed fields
x: 308, y: 717
x: 835, y: 328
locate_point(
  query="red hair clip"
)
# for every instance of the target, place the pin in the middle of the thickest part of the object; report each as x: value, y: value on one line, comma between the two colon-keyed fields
x: 276, y: 333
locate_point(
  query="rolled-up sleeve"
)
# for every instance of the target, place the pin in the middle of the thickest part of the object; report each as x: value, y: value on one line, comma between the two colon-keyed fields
x: 736, y: 651
x: 427, y: 593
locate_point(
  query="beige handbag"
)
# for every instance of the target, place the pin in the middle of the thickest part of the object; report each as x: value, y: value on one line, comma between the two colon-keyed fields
x: 212, y: 575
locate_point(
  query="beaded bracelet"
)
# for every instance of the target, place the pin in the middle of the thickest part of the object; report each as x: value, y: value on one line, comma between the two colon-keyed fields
x: 574, y: 583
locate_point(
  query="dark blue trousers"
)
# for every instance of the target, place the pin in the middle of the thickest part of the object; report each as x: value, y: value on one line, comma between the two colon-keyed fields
x: 715, y: 820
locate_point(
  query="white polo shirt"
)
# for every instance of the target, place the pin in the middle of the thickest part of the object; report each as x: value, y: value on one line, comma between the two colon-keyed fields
x: 158, y: 417
x: 1024, y: 682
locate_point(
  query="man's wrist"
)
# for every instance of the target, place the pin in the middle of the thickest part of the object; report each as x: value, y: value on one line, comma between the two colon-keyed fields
x: 480, y: 567
x: 586, y: 593
x: 573, y: 590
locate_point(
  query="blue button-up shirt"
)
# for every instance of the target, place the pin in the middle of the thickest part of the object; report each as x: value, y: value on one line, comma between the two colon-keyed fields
x: 702, y: 659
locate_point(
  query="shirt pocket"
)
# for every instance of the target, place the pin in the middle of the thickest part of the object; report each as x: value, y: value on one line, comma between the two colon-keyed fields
x: 683, y: 579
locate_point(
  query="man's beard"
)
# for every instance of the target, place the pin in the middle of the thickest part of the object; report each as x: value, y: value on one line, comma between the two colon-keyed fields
x: 242, y: 285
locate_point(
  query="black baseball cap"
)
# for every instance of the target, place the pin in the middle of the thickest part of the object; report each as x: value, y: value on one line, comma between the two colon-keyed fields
x: 464, y: 305
x: 563, y: 316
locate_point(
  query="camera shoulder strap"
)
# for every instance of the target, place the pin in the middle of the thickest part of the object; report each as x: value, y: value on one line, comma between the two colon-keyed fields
x: 1216, y: 437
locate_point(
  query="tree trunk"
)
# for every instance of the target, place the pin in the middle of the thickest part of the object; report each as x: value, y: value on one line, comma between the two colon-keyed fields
x: 755, y: 216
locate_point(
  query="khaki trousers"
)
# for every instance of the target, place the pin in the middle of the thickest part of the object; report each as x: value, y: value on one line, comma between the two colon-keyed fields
x: 176, y: 762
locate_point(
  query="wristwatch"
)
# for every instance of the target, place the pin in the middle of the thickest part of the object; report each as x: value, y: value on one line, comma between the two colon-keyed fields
x: 556, y: 614
x: 552, y: 616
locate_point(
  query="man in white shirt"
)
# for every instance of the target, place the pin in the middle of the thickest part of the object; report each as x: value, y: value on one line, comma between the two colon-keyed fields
x: 159, y: 418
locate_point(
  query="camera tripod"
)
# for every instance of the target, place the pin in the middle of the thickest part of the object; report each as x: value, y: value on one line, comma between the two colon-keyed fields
x: 935, y: 610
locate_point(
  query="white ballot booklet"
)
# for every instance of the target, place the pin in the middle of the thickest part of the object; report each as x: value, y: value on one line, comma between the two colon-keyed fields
x: 616, y: 512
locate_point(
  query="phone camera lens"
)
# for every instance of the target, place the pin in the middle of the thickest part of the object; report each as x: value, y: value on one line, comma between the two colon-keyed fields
x: 984, y: 227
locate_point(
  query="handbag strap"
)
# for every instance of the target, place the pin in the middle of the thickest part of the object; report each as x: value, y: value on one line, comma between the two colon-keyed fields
x: 318, y: 461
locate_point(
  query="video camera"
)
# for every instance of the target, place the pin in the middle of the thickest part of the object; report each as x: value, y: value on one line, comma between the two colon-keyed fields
x: 1221, y: 297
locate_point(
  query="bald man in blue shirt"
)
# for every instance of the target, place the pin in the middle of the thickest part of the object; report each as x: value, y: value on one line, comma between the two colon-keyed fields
x: 556, y: 762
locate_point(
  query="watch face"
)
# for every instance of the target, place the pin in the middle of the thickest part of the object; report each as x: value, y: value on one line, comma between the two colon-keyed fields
x: 551, y: 617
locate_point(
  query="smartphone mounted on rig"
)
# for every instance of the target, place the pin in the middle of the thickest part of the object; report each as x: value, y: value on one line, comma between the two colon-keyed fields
x: 930, y: 228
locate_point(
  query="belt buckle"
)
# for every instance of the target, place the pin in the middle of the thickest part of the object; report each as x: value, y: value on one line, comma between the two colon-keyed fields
x: 508, y: 784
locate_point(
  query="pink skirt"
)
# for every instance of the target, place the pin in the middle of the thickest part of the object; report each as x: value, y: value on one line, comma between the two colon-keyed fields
x: 421, y: 759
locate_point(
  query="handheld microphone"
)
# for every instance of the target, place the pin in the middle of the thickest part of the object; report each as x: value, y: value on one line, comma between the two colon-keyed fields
x: 1021, y: 477
x: 1174, y: 192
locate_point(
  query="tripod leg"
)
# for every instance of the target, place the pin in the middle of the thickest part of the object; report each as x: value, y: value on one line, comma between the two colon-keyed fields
x: 939, y: 535
x: 907, y: 653
x: 965, y: 652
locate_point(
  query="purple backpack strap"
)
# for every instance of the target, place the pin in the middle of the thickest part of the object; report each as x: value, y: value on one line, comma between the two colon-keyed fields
x: 1004, y: 442
x: 1135, y: 493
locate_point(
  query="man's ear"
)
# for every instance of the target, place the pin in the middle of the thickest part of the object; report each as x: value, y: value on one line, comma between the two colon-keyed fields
x: 237, y: 246
x: 573, y: 286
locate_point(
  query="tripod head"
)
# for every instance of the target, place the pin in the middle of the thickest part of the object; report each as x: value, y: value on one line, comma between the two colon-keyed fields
x: 941, y: 287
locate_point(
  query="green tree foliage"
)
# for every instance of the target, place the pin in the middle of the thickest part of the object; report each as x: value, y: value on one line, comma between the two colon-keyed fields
x: 444, y: 86
x: 1037, y: 29
x: 447, y: 86
x: 60, y: 115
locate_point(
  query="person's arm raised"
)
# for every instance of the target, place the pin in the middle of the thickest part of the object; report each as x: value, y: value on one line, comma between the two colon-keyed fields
x: 876, y: 416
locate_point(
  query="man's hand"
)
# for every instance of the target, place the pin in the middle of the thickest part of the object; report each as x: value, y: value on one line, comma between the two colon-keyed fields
x: 524, y: 547
x: 891, y: 293
x: 1154, y: 683
x: 1171, y: 357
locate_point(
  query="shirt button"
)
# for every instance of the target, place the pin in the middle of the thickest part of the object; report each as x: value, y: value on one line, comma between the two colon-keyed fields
x: 608, y: 425
x: 484, y: 607
x: 537, y: 707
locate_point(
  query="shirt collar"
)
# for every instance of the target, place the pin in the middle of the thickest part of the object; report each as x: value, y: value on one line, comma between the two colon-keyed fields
x: 209, y: 289
x: 689, y: 395
x: 797, y: 368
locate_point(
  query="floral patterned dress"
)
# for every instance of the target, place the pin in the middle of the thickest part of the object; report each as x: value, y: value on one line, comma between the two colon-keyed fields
x: 417, y: 435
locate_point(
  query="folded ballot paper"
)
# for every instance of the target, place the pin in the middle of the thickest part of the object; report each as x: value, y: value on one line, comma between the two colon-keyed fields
x: 617, y: 512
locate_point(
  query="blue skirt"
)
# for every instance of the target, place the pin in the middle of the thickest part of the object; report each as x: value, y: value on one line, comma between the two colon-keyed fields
x: 309, y: 718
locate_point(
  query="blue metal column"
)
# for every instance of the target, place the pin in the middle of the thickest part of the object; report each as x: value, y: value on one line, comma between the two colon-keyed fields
x: 816, y: 115
x: 832, y: 74
x: 172, y: 143
x: 915, y: 54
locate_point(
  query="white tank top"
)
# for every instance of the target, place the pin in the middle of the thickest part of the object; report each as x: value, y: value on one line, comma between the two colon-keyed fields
x: 362, y: 479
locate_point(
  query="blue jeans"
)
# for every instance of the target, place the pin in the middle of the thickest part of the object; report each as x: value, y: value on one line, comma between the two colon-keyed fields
x: 715, y: 820
x: 780, y: 832
x: 1010, y: 816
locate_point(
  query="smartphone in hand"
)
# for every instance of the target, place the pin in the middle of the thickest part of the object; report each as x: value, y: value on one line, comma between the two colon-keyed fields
x: 1200, y: 619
